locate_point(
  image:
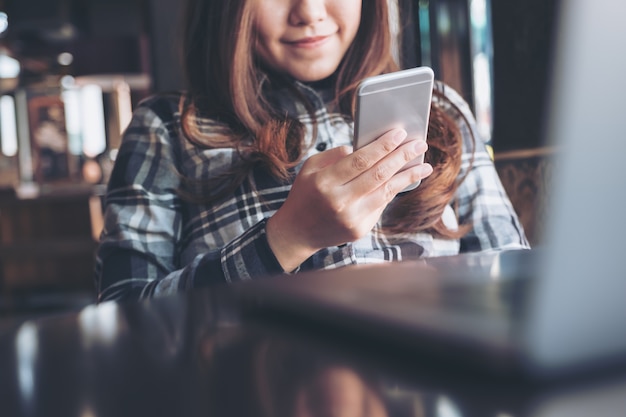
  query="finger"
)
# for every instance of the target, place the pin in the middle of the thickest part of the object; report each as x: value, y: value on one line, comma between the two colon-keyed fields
x: 396, y: 184
x: 387, y: 167
x: 363, y: 159
x: 410, y: 176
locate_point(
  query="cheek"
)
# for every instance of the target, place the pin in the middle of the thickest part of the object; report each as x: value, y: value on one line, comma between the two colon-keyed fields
x: 262, y: 42
x: 264, y: 22
x: 350, y: 21
x: 267, y: 28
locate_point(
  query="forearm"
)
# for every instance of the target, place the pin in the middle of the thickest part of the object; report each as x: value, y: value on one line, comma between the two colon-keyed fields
x: 128, y: 275
x: 125, y: 272
x: 484, y: 204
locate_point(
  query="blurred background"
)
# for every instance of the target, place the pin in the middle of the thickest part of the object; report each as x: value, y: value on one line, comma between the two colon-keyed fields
x: 72, y: 71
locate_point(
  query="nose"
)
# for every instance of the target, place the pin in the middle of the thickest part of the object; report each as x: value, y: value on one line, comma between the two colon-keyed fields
x: 307, y: 12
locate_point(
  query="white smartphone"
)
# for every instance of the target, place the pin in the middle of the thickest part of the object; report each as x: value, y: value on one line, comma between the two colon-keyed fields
x: 399, y: 99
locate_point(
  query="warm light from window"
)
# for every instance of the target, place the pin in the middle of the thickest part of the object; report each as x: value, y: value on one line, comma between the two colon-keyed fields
x: 94, y: 134
x: 8, y: 126
x: 71, y: 100
x: 482, y: 52
x: 124, y: 105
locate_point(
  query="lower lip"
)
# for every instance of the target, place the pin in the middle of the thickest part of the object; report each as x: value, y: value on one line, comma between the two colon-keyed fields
x: 310, y: 44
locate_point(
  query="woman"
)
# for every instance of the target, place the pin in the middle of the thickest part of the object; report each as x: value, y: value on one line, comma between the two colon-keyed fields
x: 250, y: 172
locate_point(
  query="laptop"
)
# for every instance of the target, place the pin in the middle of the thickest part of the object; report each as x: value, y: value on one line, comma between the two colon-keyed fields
x: 544, y: 313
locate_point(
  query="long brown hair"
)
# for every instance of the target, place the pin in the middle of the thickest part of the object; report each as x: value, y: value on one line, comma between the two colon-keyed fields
x: 224, y: 82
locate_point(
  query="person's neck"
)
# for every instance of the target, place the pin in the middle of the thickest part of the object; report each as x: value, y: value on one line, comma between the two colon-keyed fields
x: 281, y: 78
x: 323, y: 84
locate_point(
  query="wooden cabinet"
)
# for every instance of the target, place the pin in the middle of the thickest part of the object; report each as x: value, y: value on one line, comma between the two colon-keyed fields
x: 47, y: 247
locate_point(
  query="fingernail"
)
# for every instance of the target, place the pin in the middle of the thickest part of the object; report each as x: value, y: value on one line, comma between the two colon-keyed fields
x: 420, y: 146
x: 399, y: 135
x: 427, y: 169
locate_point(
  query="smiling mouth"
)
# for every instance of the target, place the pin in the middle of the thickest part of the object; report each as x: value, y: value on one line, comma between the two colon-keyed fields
x: 311, y: 42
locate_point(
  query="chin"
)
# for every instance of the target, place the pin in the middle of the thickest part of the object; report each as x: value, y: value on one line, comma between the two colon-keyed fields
x: 314, y: 74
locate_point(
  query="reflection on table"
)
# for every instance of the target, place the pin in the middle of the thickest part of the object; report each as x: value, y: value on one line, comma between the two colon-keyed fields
x: 195, y: 355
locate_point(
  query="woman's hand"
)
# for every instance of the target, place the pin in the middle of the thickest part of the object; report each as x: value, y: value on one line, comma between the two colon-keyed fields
x: 339, y: 195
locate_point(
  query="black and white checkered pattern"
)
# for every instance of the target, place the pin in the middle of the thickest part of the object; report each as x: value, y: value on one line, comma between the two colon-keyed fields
x: 155, y: 243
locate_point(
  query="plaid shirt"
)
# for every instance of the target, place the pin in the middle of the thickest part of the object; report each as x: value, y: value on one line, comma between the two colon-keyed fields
x: 156, y: 243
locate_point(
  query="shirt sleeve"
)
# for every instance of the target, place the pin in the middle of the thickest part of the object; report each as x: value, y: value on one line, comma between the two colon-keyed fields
x: 138, y: 252
x: 481, y: 199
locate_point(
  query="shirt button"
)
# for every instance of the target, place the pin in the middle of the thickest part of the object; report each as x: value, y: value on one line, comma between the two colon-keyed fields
x: 321, y: 146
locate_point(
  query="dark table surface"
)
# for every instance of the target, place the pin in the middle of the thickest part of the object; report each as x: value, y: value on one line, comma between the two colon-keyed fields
x: 196, y: 355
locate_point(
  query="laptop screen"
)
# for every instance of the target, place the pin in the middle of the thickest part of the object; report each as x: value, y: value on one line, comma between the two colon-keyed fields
x: 580, y: 302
